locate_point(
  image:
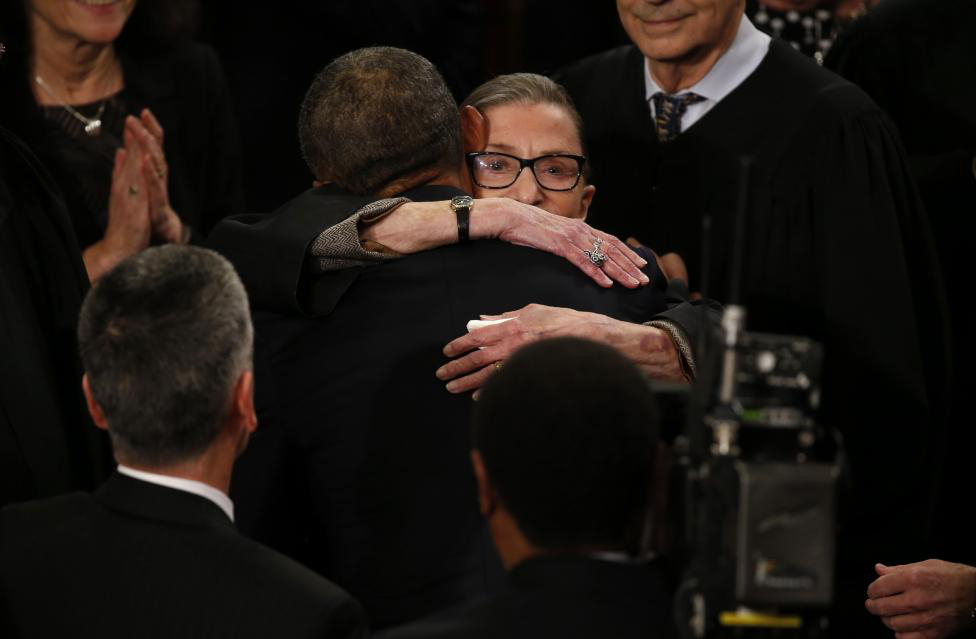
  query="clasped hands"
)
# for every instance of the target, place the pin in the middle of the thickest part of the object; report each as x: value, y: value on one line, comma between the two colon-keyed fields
x: 139, y: 209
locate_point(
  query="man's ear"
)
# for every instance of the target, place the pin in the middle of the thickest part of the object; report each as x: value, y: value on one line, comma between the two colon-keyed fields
x: 474, y: 128
x: 93, y: 408
x: 486, y: 496
x: 588, y: 192
x: 243, y: 408
x: 242, y: 419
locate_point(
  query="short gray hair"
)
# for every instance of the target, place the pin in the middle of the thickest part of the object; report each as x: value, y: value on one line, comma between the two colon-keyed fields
x: 164, y: 337
x: 525, y: 88
x: 375, y: 115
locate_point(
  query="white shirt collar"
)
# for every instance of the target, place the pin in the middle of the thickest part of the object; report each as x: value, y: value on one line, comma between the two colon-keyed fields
x: 738, y: 62
x: 186, y: 485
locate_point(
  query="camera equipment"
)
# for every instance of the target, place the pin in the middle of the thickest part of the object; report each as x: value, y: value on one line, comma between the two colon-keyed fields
x: 755, y: 482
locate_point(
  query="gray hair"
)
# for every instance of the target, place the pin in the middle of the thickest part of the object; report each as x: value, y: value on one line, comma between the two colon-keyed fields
x: 525, y: 88
x: 375, y: 115
x: 164, y: 337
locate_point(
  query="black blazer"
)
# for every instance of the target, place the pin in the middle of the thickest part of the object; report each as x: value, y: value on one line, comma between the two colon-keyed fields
x: 561, y: 596
x: 136, y: 559
x: 354, y: 422
x: 48, y: 445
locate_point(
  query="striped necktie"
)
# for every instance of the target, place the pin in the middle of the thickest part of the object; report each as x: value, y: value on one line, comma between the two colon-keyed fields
x: 668, y: 110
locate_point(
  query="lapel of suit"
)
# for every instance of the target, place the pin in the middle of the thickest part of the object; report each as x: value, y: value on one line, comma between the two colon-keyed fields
x: 145, y: 500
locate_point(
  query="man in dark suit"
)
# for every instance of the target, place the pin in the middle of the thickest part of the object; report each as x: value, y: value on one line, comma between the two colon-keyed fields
x: 361, y: 467
x: 166, y: 343
x: 564, y: 444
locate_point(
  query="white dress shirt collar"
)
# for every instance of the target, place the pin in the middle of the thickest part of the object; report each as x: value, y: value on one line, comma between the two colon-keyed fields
x: 186, y: 485
x: 741, y: 59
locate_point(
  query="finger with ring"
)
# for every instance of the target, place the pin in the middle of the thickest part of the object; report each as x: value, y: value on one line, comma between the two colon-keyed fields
x: 595, y: 255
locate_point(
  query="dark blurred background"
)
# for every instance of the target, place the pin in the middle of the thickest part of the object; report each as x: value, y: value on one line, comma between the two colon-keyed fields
x: 271, y: 54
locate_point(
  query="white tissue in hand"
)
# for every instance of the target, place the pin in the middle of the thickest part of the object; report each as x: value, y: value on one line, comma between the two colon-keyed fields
x: 473, y: 324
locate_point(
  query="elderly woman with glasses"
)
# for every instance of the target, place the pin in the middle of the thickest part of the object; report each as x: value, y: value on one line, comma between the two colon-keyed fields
x: 532, y: 124
x: 534, y: 153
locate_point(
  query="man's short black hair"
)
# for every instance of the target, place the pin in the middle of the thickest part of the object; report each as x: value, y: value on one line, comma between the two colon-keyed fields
x: 377, y: 114
x: 568, y: 432
x: 164, y: 337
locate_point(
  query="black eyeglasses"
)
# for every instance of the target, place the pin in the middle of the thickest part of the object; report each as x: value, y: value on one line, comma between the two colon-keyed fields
x: 555, y: 172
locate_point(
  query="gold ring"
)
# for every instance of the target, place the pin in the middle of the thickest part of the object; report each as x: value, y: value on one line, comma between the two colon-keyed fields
x: 498, y: 366
x: 133, y: 190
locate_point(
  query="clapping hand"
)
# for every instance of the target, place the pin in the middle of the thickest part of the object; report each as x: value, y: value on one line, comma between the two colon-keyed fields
x: 144, y: 136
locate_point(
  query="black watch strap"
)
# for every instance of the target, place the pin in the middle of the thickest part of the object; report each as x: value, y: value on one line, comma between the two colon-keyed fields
x: 462, y: 209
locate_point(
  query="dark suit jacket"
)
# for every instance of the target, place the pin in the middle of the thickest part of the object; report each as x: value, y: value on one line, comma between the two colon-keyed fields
x: 566, y: 597
x: 354, y: 422
x: 136, y: 559
x: 48, y: 445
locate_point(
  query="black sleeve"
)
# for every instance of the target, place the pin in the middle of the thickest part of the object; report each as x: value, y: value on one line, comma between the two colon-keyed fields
x: 269, y: 251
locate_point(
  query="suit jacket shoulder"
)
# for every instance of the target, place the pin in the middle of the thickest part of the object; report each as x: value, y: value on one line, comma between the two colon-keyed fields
x: 269, y: 251
x: 602, y: 69
x: 610, y: 82
x: 154, y: 561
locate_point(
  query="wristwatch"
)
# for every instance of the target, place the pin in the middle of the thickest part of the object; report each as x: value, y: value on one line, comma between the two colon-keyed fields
x: 461, y: 205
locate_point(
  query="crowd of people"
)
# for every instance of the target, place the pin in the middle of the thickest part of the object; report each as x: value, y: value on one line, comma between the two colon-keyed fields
x: 413, y: 400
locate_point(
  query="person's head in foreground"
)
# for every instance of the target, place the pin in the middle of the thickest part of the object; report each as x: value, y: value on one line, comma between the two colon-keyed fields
x: 378, y: 121
x: 534, y: 146
x: 564, y: 442
x: 166, y: 344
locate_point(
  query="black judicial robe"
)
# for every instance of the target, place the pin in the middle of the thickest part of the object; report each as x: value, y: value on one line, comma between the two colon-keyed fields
x: 47, y: 442
x: 360, y: 467
x: 837, y: 248
x: 916, y: 59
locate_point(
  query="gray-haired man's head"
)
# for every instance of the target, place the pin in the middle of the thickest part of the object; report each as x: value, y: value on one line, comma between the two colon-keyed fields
x: 376, y: 115
x: 164, y: 338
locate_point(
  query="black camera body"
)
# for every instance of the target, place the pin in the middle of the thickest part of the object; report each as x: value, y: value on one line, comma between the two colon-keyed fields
x: 755, y: 487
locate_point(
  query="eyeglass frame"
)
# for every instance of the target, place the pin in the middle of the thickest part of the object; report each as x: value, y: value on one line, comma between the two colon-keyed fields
x: 580, y: 164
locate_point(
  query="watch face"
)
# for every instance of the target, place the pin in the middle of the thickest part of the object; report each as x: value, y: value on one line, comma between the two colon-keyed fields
x: 461, y: 201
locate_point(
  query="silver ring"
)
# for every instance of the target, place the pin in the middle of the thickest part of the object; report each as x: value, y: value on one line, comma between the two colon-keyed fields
x: 595, y: 255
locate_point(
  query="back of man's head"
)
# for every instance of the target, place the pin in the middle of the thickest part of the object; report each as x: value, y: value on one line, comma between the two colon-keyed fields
x: 567, y: 431
x: 375, y: 115
x: 164, y: 338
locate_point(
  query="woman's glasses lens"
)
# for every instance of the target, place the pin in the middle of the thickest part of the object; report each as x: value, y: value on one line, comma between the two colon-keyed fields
x: 500, y: 170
